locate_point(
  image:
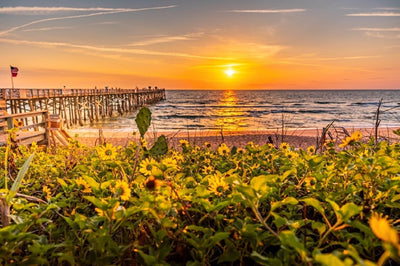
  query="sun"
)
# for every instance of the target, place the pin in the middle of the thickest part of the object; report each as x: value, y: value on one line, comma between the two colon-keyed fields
x: 230, y: 72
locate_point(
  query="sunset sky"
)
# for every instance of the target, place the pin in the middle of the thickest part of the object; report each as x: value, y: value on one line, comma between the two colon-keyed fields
x: 207, y: 44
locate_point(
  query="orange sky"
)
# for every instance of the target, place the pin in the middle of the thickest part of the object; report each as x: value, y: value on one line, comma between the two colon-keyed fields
x: 191, y: 44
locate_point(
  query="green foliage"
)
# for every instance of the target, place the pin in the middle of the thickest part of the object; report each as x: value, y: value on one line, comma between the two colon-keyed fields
x: 196, y: 206
x: 143, y: 120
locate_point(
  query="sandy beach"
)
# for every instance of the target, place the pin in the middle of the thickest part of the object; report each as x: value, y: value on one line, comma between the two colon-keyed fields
x: 300, y: 138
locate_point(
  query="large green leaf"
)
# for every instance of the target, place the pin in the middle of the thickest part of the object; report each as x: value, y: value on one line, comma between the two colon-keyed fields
x: 160, y: 147
x: 289, y: 239
x: 314, y: 203
x: 143, y: 120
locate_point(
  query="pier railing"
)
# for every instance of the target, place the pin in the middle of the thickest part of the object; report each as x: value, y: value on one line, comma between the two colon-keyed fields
x: 33, y: 126
x: 75, y: 106
x: 7, y: 94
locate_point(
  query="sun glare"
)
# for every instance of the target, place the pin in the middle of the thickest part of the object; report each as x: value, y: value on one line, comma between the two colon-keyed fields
x: 230, y: 72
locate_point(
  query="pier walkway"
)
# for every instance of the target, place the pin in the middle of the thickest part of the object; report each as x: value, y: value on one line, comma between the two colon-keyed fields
x: 32, y: 109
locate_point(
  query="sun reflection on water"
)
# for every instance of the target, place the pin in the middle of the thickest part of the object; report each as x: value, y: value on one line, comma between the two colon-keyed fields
x: 229, y: 113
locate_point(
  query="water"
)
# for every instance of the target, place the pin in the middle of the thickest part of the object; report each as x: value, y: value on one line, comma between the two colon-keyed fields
x: 265, y: 110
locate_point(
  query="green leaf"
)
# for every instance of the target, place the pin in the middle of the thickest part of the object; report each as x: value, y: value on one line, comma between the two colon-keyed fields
x: 286, y: 201
x: 148, y: 259
x: 349, y: 210
x: 143, y: 120
x: 248, y: 193
x: 92, y: 183
x: 230, y: 254
x: 262, y: 260
x: 96, y: 202
x: 259, y: 183
x: 289, y: 239
x: 321, y: 227
x: 160, y: 147
x: 22, y: 172
x: 329, y: 260
x: 314, y: 203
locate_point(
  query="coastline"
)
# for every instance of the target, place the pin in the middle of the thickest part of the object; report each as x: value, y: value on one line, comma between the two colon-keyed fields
x: 299, y: 138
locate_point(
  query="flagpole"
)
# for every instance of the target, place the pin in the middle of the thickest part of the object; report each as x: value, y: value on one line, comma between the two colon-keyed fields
x: 12, y: 79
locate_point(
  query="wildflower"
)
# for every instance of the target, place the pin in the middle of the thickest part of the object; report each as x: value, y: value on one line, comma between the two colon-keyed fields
x: 217, y: 185
x: 106, y: 152
x: 81, y: 182
x: 240, y: 151
x: 382, y: 229
x: 143, y: 142
x: 284, y: 146
x: 356, y: 136
x: 310, y: 182
x: 146, y: 166
x: 47, y: 191
x: 207, y: 145
x: 223, y: 149
x: 311, y: 150
x: 207, y: 169
x: 291, y: 155
x: 183, y: 143
x: 152, y: 183
x: 126, y: 191
x: 170, y: 163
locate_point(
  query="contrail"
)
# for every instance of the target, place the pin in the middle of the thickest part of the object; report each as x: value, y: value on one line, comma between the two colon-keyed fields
x: 2, y: 33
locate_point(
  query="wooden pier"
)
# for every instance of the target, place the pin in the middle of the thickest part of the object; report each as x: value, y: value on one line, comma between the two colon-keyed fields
x: 71, y: 106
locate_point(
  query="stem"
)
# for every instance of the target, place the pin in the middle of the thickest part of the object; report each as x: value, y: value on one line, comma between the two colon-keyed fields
x: 261, y: 220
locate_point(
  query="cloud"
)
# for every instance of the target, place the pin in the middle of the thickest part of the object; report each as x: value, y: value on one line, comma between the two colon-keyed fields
x: 375, y: 14
x: 41, y: 10
x: 47, y: 29
x: 267, y: 10
x: 2, y: 33
x: 377, y: 29
x: 167, y: 39
x: 109, y: 49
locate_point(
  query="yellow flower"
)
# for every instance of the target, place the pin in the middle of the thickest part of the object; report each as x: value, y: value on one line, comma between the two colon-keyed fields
x: 291, y: 155
x: 143, y: 142
x: 124, y: 187
x: 170, y: 163
x: 207, y: 169
x: 284, y: 146
x: 383, y: 230
x: 47, y: 191
x: 106, y: 152
x: 81, y: 182
x: 223, y: 149
x: 146, y: 166
x: 207, y: 145
x: 152, y: 183
x: 356, y: 135
x: 217, y: 185
x: 311, y: 150
x: 183, y: 143
x: 240, y: 151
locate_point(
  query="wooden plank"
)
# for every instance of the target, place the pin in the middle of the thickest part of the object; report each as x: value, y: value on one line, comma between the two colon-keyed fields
x: 24, y: 115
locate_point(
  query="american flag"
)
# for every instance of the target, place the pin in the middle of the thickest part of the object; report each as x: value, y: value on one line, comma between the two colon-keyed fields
x: 14, y: 71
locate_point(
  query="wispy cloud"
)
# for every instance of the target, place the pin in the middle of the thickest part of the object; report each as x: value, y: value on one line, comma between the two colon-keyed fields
x: 47, y: 29
x: 377, y: 29
x: 294, y: 10
x: 167, y: 39
x: 375, y: 14
x: 109, y: 49
x: 380, y: 35
x: 116, y: 11
x: 41, y: 10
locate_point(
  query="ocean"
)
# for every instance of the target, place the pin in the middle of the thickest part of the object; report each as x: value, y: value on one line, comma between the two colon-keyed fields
x: 265, y: 110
